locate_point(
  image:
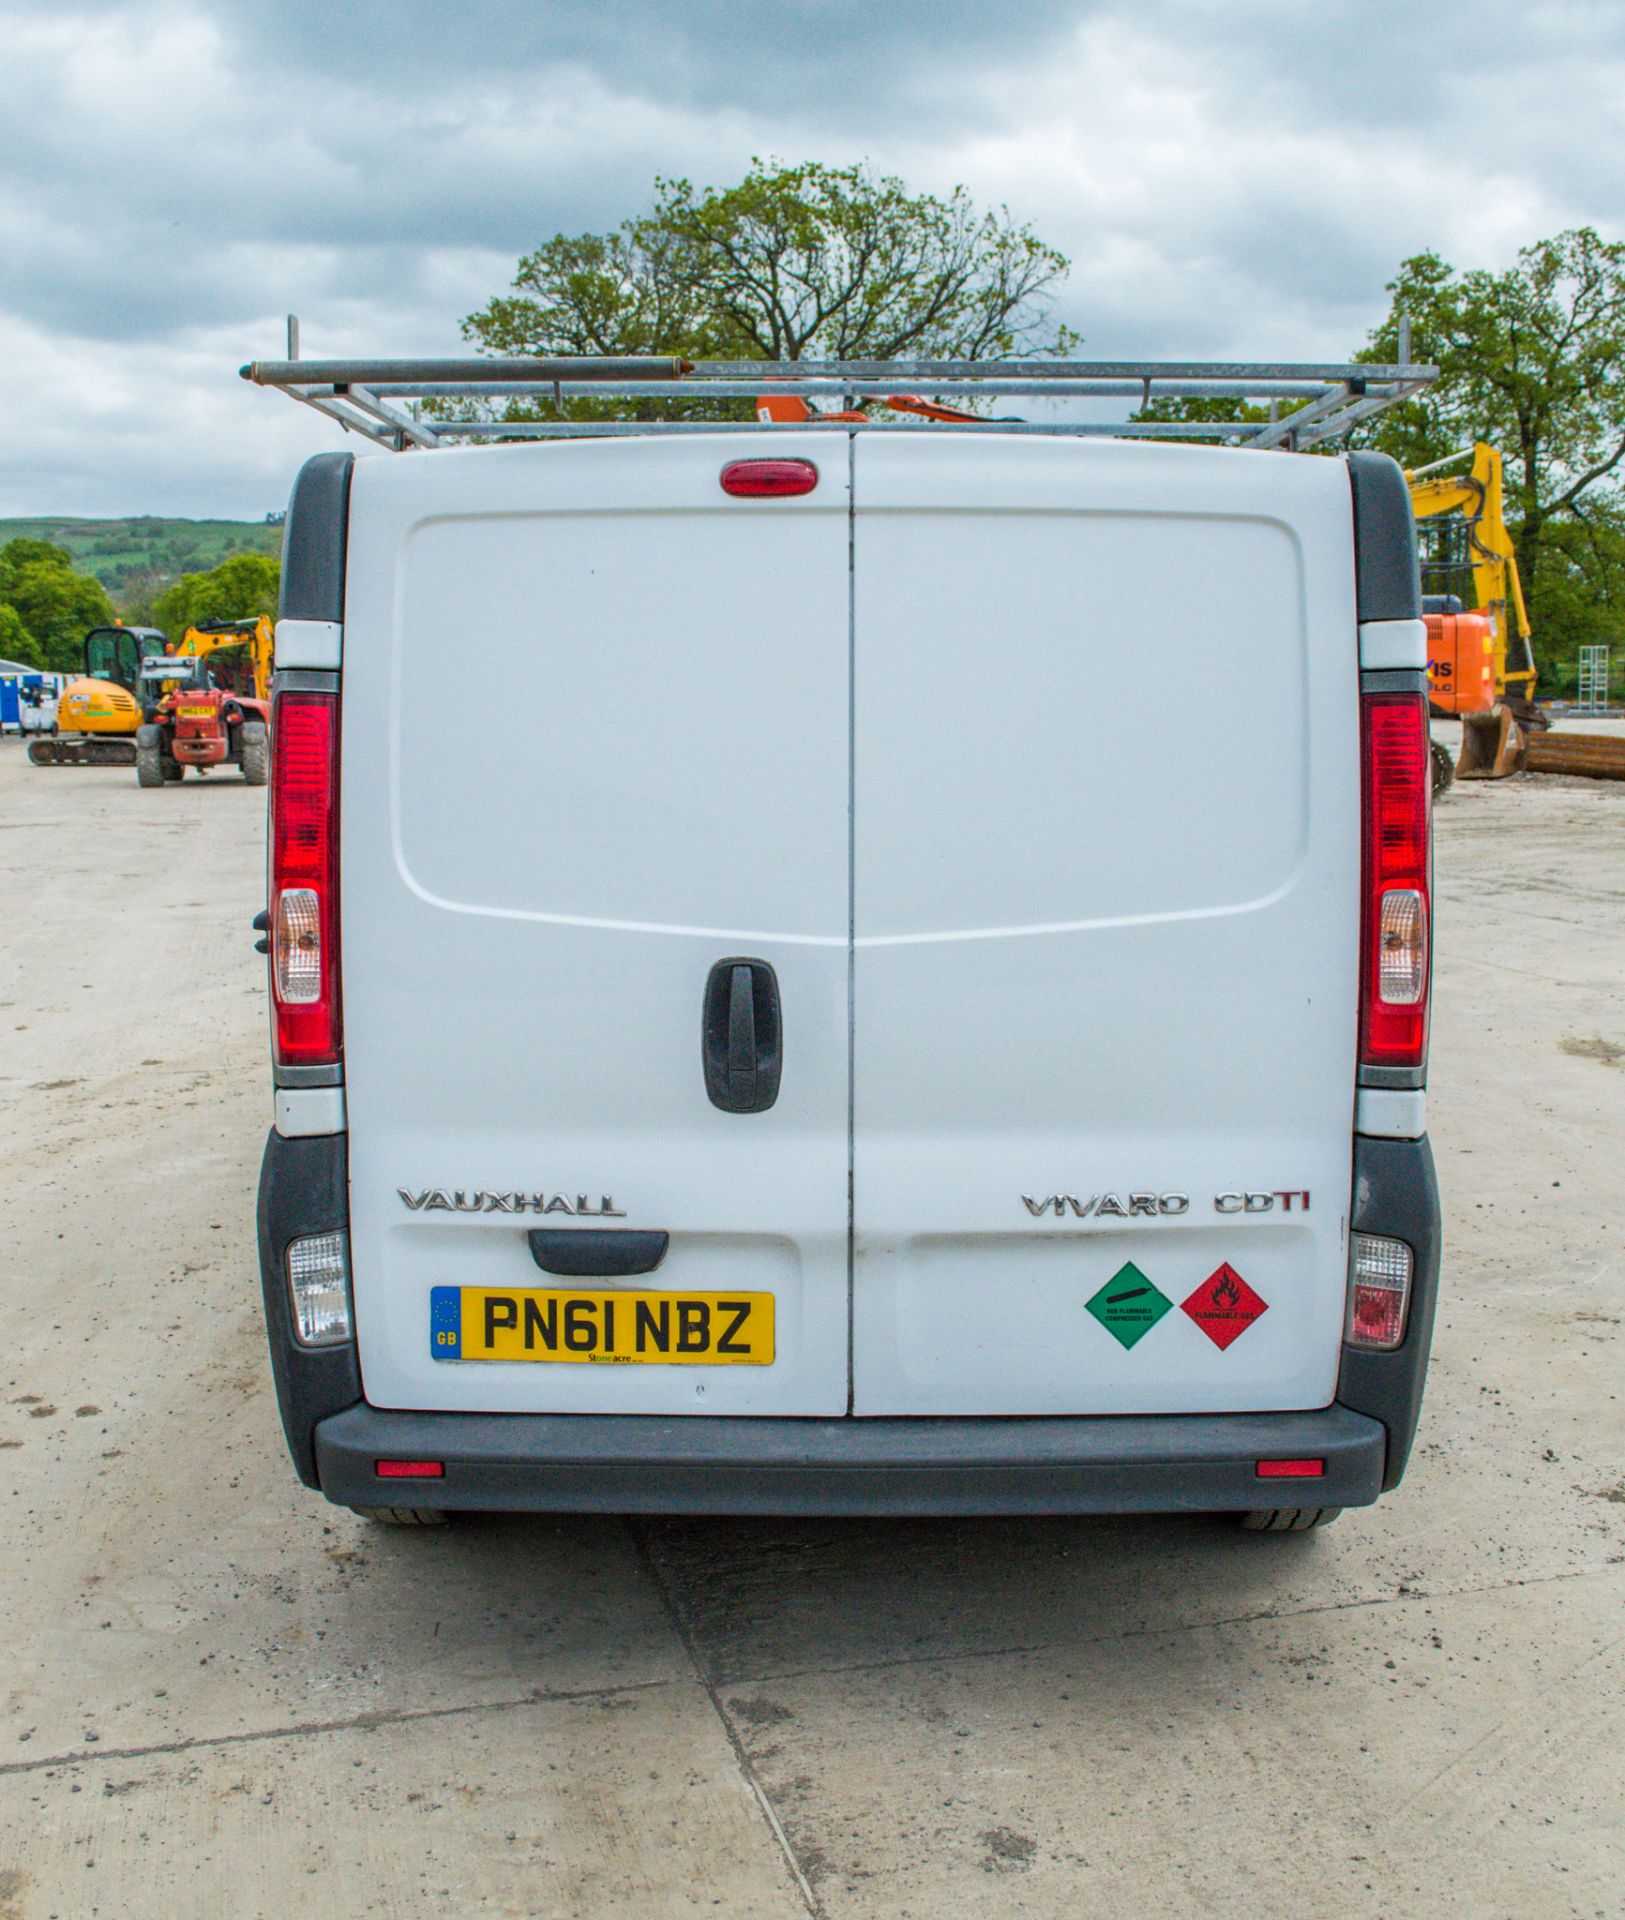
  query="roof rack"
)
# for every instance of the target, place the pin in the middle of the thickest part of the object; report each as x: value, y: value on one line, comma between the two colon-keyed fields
x: 384, y: 399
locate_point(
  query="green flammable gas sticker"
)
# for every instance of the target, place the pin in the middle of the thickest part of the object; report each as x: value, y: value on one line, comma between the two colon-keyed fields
x: 1128, y: 1306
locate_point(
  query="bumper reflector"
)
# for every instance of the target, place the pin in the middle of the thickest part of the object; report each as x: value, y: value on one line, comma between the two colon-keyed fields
x: 1379, y: 1292
x: 1291, y: 1469
x: 319, y: 1283
x: 409, y: 1469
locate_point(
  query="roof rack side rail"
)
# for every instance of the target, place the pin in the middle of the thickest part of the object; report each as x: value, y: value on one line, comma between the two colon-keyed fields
x: 367, y: 396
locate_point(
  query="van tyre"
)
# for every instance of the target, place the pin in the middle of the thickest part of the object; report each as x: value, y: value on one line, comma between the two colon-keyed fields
x: 404, y: 1516
x: 256, y: 752
x: 1289, y: 1519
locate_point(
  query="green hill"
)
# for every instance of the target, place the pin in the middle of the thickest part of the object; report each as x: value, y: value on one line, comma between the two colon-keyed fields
x: 135, y: 559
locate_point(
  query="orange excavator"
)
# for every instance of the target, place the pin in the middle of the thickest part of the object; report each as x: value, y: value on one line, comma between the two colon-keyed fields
x: 786, y: 409
x: 1477, y: 622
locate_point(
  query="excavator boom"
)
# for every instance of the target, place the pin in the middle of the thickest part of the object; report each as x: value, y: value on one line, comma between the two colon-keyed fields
x: 1455, y: 651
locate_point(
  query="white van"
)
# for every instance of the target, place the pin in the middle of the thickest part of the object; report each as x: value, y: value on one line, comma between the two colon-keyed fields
x: 908, y: 993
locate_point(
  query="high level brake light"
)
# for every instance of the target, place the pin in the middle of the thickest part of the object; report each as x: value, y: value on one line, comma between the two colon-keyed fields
x: 1396, y: 880
x: 304, y: 878
x: 768, y: 479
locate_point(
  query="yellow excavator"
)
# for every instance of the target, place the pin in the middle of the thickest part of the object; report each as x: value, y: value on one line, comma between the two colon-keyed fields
x: 1471, y: 643
x: 1473, y: 623
x: 240, y: 653
x: 98, y: 713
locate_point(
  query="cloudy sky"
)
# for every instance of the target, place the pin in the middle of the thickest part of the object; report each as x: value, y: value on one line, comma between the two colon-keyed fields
x: 1230, y: 178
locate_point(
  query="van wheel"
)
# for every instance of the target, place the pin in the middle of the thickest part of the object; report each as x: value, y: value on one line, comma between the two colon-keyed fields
x: 1289, y: 1519
x: 404, y: 1516
x: 256, y: 753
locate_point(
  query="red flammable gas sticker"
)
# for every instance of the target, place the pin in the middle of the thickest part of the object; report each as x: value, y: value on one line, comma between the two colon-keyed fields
x: 1224, y: 1306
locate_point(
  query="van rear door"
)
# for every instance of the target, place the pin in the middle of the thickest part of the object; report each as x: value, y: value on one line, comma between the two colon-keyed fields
x: 595, y: 741
x: 1106, y: 796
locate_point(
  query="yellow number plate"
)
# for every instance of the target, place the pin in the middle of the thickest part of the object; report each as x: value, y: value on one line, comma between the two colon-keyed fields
x: 195, y: 713
x: 617, y: 1329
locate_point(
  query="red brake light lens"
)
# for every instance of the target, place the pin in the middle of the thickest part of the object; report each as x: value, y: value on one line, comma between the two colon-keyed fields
x: 304, y: 878
x: 768, y: 479
x: 1396, y: 881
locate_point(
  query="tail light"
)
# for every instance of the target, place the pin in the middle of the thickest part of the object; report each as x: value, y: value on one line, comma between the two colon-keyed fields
x: 1379, y: 1291
x: 304, y: 878
x: 1394, y: 931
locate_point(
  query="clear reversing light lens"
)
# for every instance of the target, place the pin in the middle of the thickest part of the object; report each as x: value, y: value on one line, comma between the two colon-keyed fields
x: 1402, y: 961
x: 297, y: 945
x: 319, y: 1282
x: 1379, y: 1291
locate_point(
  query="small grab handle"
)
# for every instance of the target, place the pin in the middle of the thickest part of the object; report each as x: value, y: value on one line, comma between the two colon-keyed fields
x: 610, y: 1251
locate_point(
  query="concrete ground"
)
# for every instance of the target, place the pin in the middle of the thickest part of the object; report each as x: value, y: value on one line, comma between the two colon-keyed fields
x: 223, y: 1697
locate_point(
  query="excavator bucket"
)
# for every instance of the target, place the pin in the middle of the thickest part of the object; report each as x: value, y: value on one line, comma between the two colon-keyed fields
x: 1492, y: 745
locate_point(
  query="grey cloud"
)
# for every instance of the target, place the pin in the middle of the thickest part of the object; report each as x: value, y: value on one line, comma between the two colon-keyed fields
x: 1229, y: 176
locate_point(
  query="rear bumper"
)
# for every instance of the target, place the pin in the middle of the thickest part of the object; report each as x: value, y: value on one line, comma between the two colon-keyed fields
x: 638, y: 1463
x: 641, y: 1464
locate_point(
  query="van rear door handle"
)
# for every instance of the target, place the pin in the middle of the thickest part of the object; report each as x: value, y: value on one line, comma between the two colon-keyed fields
x: 741, y: 1039
x: 592, y: 1251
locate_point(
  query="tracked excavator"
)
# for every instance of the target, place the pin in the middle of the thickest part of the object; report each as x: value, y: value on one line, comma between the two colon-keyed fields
x: 1481, y: 660
x: 97, y: 715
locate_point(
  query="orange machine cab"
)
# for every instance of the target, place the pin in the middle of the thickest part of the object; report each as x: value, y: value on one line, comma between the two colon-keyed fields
x: 1461, y: 662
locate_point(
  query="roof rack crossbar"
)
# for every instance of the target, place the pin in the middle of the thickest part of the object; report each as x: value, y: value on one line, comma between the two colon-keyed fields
x: 829, y: 386
x: 1060, y: 429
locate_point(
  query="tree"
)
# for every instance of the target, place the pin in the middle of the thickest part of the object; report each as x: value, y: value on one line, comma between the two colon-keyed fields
x: 240, y: 588
x: 1193, y: 408
x: 1580, y: 594
x: 55, y: 605
x: 803, y: 262
x: 1531, y: 360
x: 16, y: 642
